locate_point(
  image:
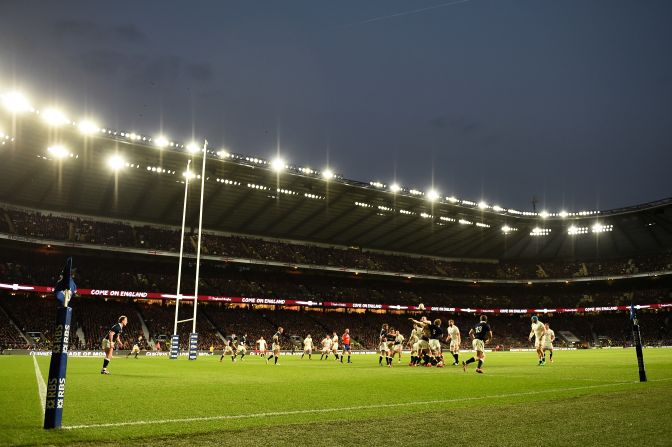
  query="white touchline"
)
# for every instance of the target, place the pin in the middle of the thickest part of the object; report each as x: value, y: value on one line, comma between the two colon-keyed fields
x: 336, y: 409
x: 41, y: 386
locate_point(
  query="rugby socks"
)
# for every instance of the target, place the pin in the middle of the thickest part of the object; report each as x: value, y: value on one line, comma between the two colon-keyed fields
x: 380, y: 360
x: 276, y: 359
x: 456, y: 357
x: 303, y: 354
x: 233, y: 358
x: 106, y: 362
x: 551, y: 355
x: 480, y: 363
x: 220, y: 359
x: 471, y: 360
x: 136, y: 355
x: 270, y: 357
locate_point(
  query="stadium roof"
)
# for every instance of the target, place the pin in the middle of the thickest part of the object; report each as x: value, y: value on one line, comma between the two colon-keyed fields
x: 80, y: 168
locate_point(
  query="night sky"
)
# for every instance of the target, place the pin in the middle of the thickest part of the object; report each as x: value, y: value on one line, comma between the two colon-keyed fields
x: 495, y: 100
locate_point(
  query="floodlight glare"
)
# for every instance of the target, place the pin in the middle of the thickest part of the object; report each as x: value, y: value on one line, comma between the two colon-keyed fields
x: 223, y: 153
x: 88, y: 127
x: 394, y: 187
x: 192, y: 147
x: 563, y: 214
x: 543, y: 214
x: 188, y: 175
x: 54, y: 117
x: 116, y: 162
x: 58, y: 151
x: 432, y: 195
x: 328, y: 174
x: 16, y: 102
x: 278, y: 164
x: 160, y: 141
x: 506, y: 229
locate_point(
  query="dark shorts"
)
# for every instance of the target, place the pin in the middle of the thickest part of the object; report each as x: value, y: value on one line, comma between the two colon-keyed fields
x: 346, y: 347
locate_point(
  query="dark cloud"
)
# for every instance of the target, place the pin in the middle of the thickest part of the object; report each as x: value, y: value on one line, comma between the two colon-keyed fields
x: 130, y: 33
x: 200, y: 71
x: 458, y: 123
x: 103, y: 62
x: 90, y: 31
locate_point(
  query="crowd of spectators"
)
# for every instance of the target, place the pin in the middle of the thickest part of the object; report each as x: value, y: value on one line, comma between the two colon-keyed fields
x: 119, y: 234
x: 217, y: 321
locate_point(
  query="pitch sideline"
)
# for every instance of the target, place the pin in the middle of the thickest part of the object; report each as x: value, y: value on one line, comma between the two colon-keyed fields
x: 337, y: 409
x: 41, y: 386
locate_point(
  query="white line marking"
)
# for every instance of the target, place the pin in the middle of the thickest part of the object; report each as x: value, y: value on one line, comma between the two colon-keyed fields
x: 354, y: 408
x: 41, y: 386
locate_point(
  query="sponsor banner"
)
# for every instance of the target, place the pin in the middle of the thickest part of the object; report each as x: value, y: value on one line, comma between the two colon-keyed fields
x: 329, y: 304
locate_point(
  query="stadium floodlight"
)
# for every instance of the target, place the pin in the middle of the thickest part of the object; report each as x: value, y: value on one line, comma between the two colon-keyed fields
x: 58, y: 151
x: 223, y: 153
x: 188, y: 175
x: 278, y: 164
x: 161, y: 141
x: 497, y: 208
x: 452, y: 199
x: 433, y: 195
x: 482, y: 205
x: 16, y: 102
x: 88, y: 127
x: 192, y: 148
x: 54, y: 117
x: 394, y: 187
x: 328, y: 174
x: 116, y: 162
x: 543, y: 214
x: 563, y: 214
x: 506, y: 229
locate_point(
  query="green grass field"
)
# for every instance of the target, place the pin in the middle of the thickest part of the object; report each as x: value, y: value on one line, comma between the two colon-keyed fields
x: 584, y: 398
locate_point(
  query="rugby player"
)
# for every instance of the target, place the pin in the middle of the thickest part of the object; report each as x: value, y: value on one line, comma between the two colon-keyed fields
x: 228, y: 350
x: 537, y: 331
x: 334, y: 345
x: 383, y: 348
x: 398, y: 346
x: 481, y: 334
x: 549, y: 338
x: 277, y: 337
x: 308, y: 347
x: 242, y: 347
x: 136, y: 347
x: 112, y: 339
x: 326, y: 347
x: 430, y: 341
x: 413, y: 342
x: 455, y: 341
x: 261, y: 343
x: 345, y: 338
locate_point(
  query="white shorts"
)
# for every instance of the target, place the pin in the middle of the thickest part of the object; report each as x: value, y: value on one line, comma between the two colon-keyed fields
x: 334, y: 347
x: 548, y: 346
x: 276, y: 347
x: 423, y: 344
x: 537, y: 343
x: 415, y: 347
x: 398, y: 348
x: 308, y: 349
x: 434, y: 345
x: 135, y: 349
x: 454, y: 345
x: 479, y: 345
x: 383, y: 347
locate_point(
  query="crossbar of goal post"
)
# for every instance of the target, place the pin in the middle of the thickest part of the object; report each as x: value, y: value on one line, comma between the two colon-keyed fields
x: 175, y: 339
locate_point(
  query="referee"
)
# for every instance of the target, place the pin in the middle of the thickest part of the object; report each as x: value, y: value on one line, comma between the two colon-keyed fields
x: 113, y: 338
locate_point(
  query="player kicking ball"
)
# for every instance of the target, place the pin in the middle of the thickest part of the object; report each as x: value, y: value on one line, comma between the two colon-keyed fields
x: 481, y: 334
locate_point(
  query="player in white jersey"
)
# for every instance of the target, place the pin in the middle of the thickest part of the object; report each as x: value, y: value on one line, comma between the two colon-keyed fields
x: 455, y: 341
x: 228, y: 350
x: 308, y: 347
x: 397, y: 346
x: 537, y: 332
x: 413, y: 343
x: 326, y: 347
x: 549, y: 338
x: 334, y: 345
x: 261, y: 344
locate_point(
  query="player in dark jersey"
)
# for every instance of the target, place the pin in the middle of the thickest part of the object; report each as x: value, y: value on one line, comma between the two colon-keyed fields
x: 242, y: 347
x: 112, y: 339
x: 390, y: 337
x: 277, y: 337
x: 481, y: 334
